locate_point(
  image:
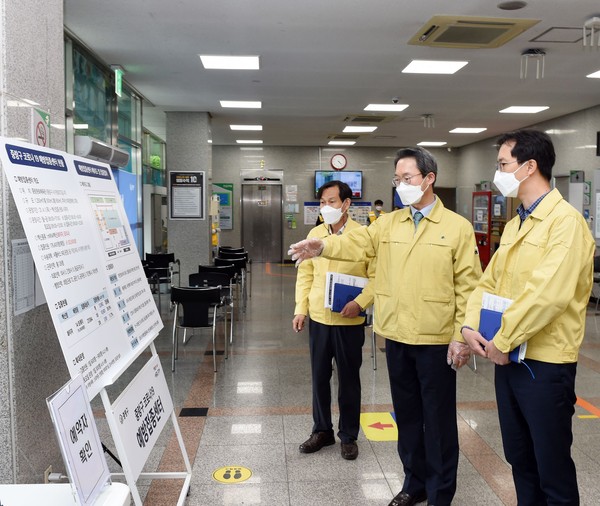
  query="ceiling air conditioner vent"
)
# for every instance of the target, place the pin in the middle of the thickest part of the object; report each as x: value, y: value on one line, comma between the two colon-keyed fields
x: 343, y: 137
x: 365, y: 119
x: 98, y: 150
x: 469, y: 31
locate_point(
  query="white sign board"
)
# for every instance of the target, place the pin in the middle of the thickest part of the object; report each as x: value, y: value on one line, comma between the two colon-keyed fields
x: 101, y: 305
x: 141, y: 412
x: 79, y: 440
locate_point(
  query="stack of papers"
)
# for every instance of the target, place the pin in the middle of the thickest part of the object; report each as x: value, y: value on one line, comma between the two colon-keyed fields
x: 490, y: 321
x: 341, y: 289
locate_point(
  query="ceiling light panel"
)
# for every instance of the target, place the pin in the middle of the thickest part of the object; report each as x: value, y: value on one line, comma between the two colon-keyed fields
x: 230, y: 62
x: 465, y: 130
x: 524, y: 109
x: 433, y: 67
x: 246, y: 127
x: 359, y: 129
x: 249, y: 141
x: 342, y: 143
x: 432, y: 143
x: 242, y: 104
x: 386, y: 107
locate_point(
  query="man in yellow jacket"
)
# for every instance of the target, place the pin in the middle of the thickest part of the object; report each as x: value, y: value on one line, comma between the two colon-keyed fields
x: 376, y: 212
x: 427, y: 264
x: 545, y: 266
x: 332, y: 335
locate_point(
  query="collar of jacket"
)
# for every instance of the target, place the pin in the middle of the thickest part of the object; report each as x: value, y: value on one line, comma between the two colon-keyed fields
x: 548, y: 203
x: 434, y: 215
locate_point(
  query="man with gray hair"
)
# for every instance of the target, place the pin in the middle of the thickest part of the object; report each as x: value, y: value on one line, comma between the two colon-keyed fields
x: 427, y: 264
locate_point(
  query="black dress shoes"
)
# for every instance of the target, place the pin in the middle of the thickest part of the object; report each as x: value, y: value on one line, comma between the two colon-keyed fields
x: 316, y: 441
x: 404, y: 499
x: 349, y: 450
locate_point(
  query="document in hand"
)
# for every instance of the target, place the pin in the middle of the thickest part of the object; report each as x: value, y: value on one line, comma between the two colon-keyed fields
x: 331, y: 278
x: 342, y: 294
x: 490, y: 320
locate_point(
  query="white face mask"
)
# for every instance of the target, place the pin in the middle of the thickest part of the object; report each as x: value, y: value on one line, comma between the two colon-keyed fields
x: 378, y: 208
x: 331, y: 215
x: 409, y: 194
x: 507, y: 183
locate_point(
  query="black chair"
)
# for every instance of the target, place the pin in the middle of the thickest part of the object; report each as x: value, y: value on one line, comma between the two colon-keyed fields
x: 236, y: 253
x: 240, y: 270
x: 223, y: 281
x: 165, y: 265
x: 195, y: 308
x: 596, y: 280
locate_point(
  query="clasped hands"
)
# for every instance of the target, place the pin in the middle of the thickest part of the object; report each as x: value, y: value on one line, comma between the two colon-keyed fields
x: 484, y: 348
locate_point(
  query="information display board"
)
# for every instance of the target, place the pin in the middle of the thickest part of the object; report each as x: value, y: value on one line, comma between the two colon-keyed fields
x: 186, y: 192
x: 82, y: 245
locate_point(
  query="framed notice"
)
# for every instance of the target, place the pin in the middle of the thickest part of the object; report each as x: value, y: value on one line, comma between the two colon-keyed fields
x: 187, y: 195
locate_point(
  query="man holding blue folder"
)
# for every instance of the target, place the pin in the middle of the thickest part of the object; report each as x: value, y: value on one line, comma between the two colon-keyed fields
x: 544, y: 266
x: 335, y: 333
x: 427, y: 266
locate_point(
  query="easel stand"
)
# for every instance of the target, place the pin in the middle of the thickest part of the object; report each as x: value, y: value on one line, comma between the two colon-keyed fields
x: 128, y: 471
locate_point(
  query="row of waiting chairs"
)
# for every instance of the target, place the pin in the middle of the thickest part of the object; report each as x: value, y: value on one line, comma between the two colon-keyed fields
x: 210, y: 292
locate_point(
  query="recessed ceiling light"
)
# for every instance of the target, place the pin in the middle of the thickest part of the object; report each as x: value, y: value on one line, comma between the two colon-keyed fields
x: 433, y: 67
x: 246, y: 127
x: 249, y: 141
x: 594, y: 75
x: 432, y: 143
x: 230, y: 62
x: 359, y: 129
x: 341, y: 143
x: 243, y: 104
x: 461, y: 130
x: 386, y: 107
x: 524, y: 109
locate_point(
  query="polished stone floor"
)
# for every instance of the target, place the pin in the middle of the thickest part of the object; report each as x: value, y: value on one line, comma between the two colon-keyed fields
x: 255, y: 410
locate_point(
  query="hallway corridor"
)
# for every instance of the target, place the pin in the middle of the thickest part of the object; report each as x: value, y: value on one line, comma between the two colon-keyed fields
x: 255, y: 411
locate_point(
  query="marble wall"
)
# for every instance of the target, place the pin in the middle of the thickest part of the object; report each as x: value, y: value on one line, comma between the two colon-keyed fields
x: 31, y: 363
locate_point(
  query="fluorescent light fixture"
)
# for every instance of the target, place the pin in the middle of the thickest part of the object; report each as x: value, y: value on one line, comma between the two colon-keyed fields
x: 251, y: 149
x: 80, y: 126
x: 246, y: 127
x: 524, y: 109
x: 433, y: 67
x: 594, y: 75
x: 464, y: 130
x: 242, y: 104
x: 248, y: 141
x: 341, y: 143
x: 386, y: 107
x: 359, y: 129
x: 230, y: 62
x: 432, y: 143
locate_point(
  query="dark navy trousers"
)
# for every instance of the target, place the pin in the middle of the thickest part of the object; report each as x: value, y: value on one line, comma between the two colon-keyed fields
x: 536, y: 412
x: 344, y: 344
x: 423, y: 390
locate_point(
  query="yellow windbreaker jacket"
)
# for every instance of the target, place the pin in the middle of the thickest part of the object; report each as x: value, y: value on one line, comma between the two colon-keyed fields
x: 423, y: 279
x: 546, y: 267
x: 310, y: 283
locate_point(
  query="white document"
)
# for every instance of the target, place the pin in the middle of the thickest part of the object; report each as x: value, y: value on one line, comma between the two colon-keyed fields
x: 495, y: 303
x: 331, y: 278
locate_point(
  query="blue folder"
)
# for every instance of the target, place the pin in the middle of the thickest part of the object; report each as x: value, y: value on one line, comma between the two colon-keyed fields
x: 342, y: 294
x: 489, y: 325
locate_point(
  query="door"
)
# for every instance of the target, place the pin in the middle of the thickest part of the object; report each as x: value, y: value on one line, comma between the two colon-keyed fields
x: 262, y: 221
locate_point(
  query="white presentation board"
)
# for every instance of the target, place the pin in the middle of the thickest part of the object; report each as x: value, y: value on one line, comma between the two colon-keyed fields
x: 101, y: 305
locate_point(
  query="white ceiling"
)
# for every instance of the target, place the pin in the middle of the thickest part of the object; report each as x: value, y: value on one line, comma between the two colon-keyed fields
x: 325, y: 60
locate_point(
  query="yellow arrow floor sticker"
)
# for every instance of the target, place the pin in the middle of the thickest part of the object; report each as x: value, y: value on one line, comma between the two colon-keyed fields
x: 379, y: 426
x: 231, y: 474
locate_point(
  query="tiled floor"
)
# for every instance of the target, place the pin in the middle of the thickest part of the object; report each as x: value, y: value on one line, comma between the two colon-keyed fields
x: 259, y: 411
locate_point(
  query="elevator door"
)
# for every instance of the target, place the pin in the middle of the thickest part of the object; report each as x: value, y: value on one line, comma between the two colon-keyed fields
x: 262, y: 221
